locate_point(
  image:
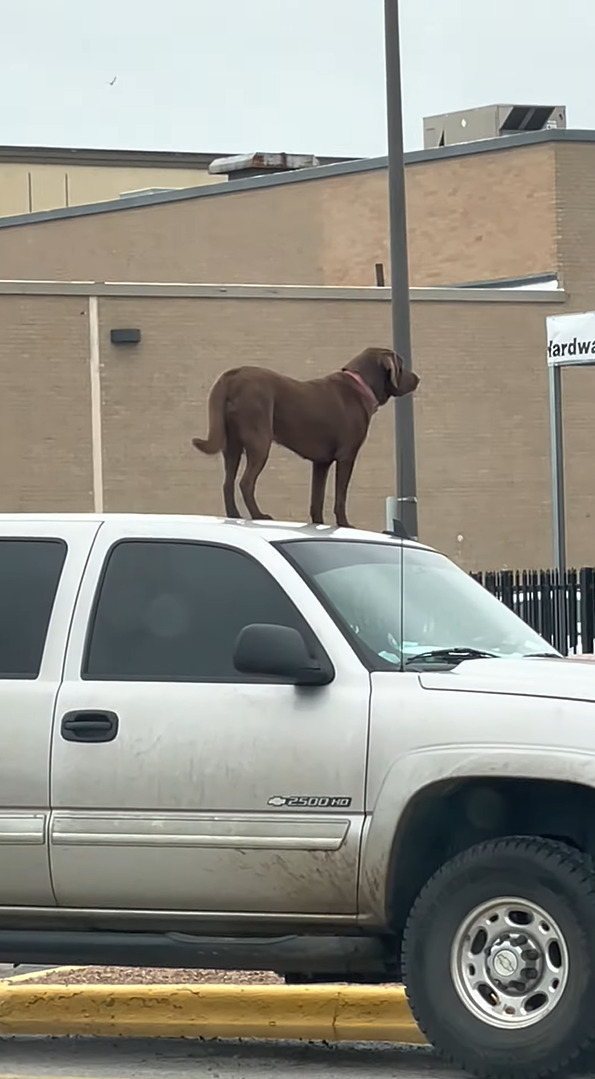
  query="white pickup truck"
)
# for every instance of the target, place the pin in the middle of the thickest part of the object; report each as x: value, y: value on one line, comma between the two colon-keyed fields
x: 323, y: 752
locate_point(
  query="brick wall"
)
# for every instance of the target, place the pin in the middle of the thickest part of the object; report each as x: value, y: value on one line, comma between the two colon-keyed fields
x: 477, y: 217
x: 263, y: 236
x: 45, y: 438
x: 154, y: 398
x: 575, y: 220
x: 481, y: 417
x: 481, y: 413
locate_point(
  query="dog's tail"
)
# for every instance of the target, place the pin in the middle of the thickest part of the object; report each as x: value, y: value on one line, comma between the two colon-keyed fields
x: 215, y: 442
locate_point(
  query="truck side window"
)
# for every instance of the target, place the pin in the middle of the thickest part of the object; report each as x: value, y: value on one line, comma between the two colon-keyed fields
x: 30, y: 572
x: 171, y: 611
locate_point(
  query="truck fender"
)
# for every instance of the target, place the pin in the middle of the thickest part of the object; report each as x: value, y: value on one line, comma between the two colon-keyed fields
x: 422, y: 769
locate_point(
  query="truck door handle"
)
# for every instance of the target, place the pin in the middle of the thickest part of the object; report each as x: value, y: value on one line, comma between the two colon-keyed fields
x: 89, y: 726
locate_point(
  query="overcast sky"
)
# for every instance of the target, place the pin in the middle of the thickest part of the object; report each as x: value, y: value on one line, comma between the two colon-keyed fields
x: 297, y: 75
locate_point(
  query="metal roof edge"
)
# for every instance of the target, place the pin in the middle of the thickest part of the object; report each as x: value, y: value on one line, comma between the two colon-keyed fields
x: 508, y: 282
x: 189, y: 290
x: 118, y: 157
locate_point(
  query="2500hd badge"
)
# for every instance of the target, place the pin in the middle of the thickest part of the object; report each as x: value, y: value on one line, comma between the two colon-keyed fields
x: 310, y: 801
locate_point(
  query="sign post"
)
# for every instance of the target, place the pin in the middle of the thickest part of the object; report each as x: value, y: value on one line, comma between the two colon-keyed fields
x: 570, y: 343
x: 557, y: 466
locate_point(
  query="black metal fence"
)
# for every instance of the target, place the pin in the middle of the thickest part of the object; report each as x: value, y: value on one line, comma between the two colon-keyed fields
x: 562, y: 611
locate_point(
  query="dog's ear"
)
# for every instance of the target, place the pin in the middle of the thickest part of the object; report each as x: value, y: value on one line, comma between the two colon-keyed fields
x: 394, y: 365
x: 402, y: 380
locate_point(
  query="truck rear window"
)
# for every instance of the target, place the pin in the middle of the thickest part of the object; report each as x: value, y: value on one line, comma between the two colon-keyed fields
x: 30, y: 571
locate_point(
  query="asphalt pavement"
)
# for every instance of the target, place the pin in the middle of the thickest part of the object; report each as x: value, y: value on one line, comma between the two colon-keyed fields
x: 102, y: 1058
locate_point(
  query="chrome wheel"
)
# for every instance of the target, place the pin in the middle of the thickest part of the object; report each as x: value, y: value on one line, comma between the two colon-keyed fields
x: 509, y: 963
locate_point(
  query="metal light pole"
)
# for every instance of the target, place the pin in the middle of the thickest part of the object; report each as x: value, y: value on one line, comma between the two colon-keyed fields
x: 404, y: 424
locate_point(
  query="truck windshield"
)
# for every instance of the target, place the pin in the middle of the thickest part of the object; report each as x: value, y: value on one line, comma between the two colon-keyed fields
x: 405, y: 607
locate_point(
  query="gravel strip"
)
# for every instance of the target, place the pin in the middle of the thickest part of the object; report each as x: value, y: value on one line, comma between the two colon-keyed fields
x: 149, y: 976
x: 155, y: 976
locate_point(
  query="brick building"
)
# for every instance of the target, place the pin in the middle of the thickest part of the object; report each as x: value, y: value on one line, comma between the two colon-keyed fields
x: 482, y: 211
x: 280, y: 270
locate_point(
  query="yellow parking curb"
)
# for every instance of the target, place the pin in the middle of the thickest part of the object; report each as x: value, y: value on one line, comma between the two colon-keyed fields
x: 330, y: 1013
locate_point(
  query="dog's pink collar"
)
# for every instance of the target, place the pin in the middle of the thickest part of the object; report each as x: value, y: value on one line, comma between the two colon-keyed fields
x: 363, y: 386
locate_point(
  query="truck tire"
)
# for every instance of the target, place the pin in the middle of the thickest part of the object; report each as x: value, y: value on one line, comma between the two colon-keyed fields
x: 499, y: 959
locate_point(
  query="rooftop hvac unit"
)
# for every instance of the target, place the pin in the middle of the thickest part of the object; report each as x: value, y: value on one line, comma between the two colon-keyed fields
x: 490, y: 122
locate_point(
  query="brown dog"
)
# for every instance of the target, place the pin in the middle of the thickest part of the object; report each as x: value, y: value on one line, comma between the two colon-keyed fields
x: 325, y: 420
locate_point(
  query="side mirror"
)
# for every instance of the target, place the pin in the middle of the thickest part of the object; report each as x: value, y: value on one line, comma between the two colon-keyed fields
x: 281, y: 651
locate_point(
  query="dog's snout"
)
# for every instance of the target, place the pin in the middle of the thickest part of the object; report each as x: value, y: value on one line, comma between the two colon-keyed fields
x: 408, y: 383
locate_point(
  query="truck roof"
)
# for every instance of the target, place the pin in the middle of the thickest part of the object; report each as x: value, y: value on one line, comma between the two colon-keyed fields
x: 267, y: 530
